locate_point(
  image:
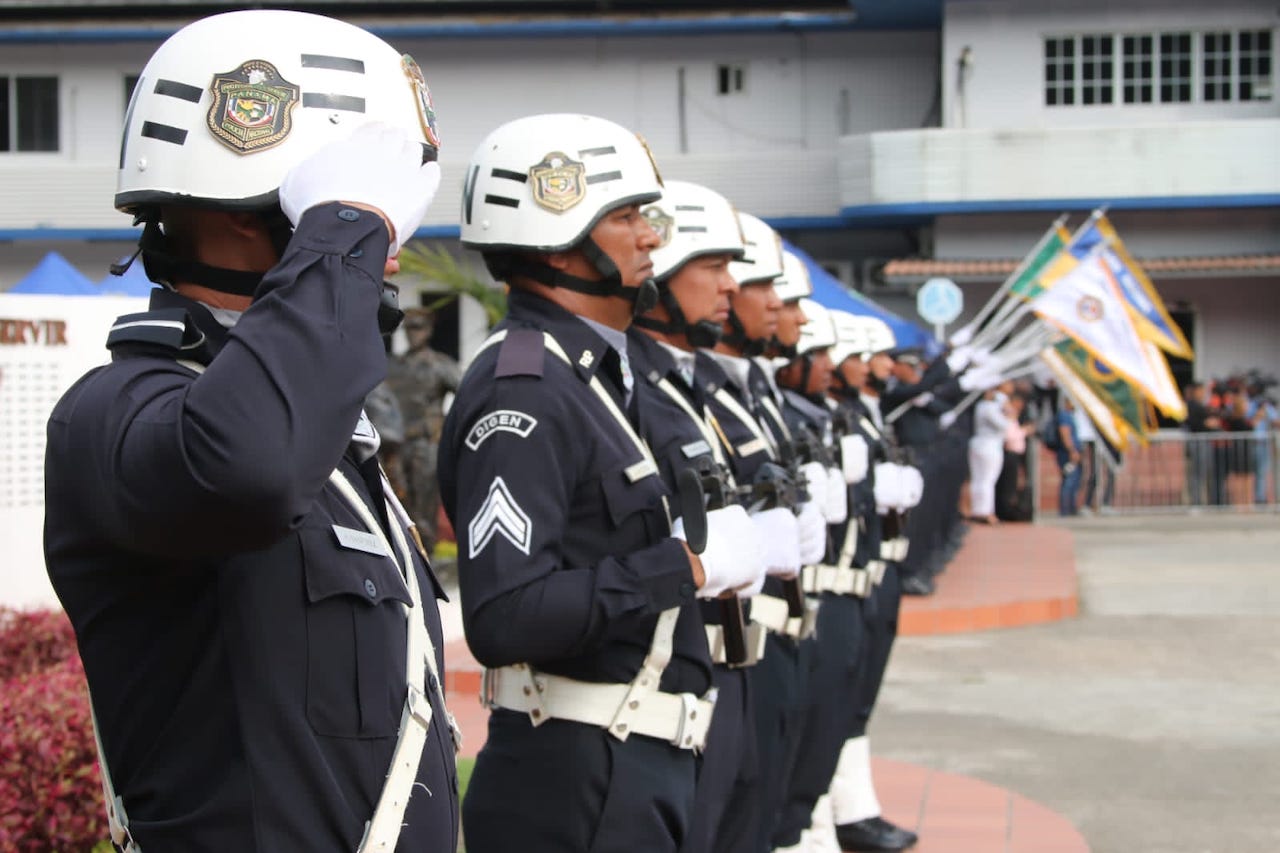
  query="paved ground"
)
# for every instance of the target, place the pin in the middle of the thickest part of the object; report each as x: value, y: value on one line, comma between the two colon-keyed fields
x: 1152, y: 722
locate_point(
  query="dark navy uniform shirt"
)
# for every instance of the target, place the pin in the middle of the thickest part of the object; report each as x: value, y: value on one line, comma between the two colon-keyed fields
x: 564, y: 548
x: 918, y: 425
x: 247, y: 669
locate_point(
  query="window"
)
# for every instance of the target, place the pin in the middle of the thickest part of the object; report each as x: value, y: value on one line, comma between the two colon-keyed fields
x: 1097, y: 69
x: 1139, y: 69
x: 1175, y: 68
x: 1060, y: 71
x: 1216, y: 66
x: 1254, y: 65
x: 28, y: 113
x: 730, y: 79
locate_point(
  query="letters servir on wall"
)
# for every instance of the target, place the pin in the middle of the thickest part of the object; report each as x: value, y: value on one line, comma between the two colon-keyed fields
x: 50, y: 333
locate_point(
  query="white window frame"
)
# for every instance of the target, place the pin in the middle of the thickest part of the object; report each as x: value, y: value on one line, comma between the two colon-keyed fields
x: 10, y: 78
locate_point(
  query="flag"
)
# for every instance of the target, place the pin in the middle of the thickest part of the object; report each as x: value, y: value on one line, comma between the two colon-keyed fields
x: 1045, y: 258
x: 1152, y: 319
x: 1166, y: 397
x: 1083, y: 303
x: 1085, y: 398
x: 1126, y: 405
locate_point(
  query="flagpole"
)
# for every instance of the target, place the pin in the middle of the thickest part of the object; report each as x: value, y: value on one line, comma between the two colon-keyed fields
x: 1008, y: 282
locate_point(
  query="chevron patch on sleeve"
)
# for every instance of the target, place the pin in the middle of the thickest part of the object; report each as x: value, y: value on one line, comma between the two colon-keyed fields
x: 499, y: 514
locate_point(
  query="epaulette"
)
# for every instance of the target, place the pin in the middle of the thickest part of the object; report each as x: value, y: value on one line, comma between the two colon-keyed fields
x: 166, y: 329
x: 521, y: 354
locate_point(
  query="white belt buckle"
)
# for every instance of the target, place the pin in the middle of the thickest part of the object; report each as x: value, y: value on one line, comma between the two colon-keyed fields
x: 686, y: 727
x: 419, y: 707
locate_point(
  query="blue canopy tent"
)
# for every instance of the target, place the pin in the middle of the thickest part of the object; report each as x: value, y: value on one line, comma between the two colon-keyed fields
x: 828, y: 292
x: 55, y: 276
x: 134, y: 282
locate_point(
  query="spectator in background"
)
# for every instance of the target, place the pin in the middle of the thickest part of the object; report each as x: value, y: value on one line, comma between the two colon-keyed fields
x: 1068, y: 453
x: 1233, y: 456
x: 1013, y: 500
x: 1262, y: 414
x: 986, y: 452
x: 1087, y: 436
x: 1201, y: 472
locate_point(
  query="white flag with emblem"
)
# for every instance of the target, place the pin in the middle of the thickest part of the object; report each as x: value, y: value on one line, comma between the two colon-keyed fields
x: 502, y: 515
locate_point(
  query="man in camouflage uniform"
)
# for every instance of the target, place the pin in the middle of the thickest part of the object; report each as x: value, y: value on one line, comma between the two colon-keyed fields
x: 420, y: 379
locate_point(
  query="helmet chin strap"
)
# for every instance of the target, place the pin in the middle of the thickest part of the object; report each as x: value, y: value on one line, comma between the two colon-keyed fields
x: 700, y: 333
x: 787, y: 351
x: 642, y: 298
x: 737, y: 337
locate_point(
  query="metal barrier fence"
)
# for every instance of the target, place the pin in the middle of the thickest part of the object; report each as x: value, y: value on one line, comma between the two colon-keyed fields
x: 1176, y: 472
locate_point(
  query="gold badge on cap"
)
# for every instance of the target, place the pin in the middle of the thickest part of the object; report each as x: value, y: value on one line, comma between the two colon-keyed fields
x: 558, y: 182
x: 662, y: 222
x: 422, y: 96
x: 252, y: 107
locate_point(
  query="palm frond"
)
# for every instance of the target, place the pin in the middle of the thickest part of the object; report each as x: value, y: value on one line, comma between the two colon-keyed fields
x: 439, y: 267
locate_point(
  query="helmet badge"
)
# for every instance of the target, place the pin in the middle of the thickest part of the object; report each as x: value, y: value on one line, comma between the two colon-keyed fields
x: 252, y: 107
x: 558, y: 183
x: 662, y: 222
x: 422, y: 96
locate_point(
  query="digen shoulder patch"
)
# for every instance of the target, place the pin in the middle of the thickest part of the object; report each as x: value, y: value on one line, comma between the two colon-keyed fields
x: 501, y: 420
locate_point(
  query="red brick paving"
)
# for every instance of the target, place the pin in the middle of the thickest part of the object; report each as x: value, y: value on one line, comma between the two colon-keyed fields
x: 1004, y: 576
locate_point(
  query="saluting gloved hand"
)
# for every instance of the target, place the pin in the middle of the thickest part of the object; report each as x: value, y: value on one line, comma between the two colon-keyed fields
x: 979, y: 379
x: 960, y: 358
x: 836, y: 507
x: 732, y: 558
x: 379, y: 165
x: 855, y: 457
x: 779, y: 540
x: 813, y: 533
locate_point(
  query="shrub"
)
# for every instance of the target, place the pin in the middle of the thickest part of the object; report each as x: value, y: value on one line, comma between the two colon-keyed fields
x: 32, y: 640
x: 50, y: 794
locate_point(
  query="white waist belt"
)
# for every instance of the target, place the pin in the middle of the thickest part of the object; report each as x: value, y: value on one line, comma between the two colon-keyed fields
x: 894, y: 549
x: 876, y: 569
x: 755, y: 636
x: 825, y: 578
x: 774, y: 614
x: 680, y: 719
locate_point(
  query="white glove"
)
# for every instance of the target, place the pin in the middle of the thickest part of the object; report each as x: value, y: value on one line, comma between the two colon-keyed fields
x: 836, y: 508
x: 960, y: 358
x: 732, y: 557
x: 379, y: 165
x: 913, y: 485
x: 813, y: 533
x: 855, y: 457
x: 889, y: 490
x: 814, y: 475
x: 779, y: 534
x: 962, y: 336
x: 978, y: 379
x: 947, y: 418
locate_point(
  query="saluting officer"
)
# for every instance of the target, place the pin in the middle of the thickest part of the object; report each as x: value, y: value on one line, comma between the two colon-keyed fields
x: 699, y: 236
x: 256, y: 618
x: 575, y: 593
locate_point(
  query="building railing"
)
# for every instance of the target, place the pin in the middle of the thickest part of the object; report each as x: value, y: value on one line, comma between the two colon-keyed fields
x: 1176, y: 472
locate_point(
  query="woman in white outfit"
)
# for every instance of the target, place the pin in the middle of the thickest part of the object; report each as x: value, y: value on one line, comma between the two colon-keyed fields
x: 986, y: 453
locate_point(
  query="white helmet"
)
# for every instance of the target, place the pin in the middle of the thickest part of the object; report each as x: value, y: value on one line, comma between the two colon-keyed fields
x: 860, y: 335
x: 818, y: 333
x: 762, y: 261
x: 692, y: 220
x: 228, y: 104
x: 795, y: 282
x: 541, y: 183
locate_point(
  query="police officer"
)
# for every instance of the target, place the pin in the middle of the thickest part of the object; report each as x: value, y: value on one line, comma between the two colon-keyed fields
x: 870, y: 459
x: 257, y: 625
x: 699, y: 236
x: 754, y: 436
x: 575, y: 593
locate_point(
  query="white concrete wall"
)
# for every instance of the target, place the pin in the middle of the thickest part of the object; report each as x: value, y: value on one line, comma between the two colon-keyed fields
x: 1005, y: 84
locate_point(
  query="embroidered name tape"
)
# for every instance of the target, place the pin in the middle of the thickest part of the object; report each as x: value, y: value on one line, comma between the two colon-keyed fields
x: 696, y: 448
x: 502, y: 420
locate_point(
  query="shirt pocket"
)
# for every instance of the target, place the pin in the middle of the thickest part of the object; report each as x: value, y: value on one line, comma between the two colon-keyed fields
x: 637, y: 508
x: 355, y: 638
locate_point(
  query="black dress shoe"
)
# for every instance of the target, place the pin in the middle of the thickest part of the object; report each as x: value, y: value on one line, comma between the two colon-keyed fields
x: 915, y: 585
x: 873, y: 834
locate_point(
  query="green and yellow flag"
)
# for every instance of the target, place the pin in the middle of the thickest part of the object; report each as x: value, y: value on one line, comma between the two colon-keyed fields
x: 1121, y: 399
